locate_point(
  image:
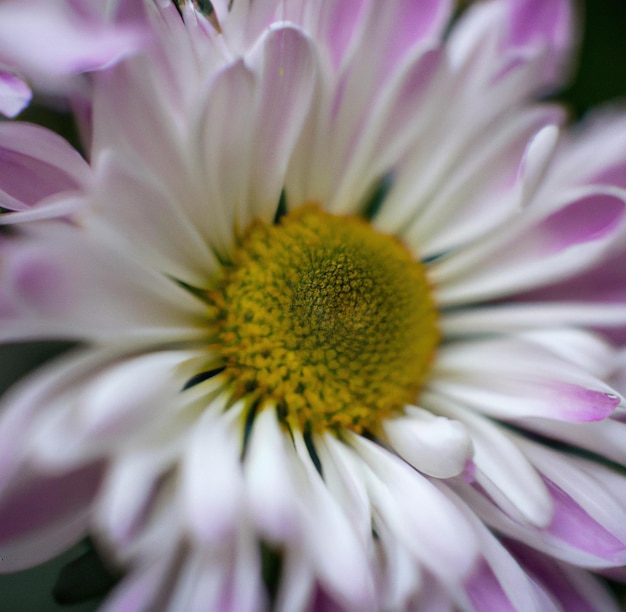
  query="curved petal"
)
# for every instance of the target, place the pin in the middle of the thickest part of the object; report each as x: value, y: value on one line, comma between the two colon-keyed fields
x: 15, y: 94
x: 437, y: 446
x: 36, y: 163
x: 417, y: 513
x: 269, y: 486
x: 572, y: 587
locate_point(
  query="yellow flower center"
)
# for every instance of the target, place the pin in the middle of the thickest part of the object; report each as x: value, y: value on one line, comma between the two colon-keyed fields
x: 327, y: 319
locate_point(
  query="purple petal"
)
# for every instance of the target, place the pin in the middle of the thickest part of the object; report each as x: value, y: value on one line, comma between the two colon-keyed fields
x: 37, y: 502
x: 585, y: 220
x: 544, y: 247
x: 36, y: 163
x: 544, y: 22
x: 573, y: 525
x: 574, y: 588
x: 543, y: 27
x: 338, y: 23
x: 485, y: 592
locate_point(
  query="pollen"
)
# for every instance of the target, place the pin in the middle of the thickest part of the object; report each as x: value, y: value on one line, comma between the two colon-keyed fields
x: 327, y: 319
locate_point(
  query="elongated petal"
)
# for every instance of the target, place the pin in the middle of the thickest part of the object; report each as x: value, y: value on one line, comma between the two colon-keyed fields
x: 513, y: 378
x: 44, y: 279
x: 212, y: 486
x: 395, y: 490
x: 269, y: 483
x: 288, y: 69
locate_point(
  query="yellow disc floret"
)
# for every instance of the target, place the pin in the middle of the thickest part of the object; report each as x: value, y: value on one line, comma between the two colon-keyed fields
x: 326, y: 318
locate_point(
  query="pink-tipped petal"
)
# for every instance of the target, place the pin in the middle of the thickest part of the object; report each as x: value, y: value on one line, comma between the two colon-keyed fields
x: 572, y: 587
x: 511, y: 378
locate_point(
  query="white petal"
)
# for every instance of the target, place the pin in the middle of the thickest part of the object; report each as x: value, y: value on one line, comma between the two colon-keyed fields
x: 212, y: 478
x: 524, y: 316
x: 434, y: 445
x: 336, y: 553
x: 269, y: 484
x: 418, y: 513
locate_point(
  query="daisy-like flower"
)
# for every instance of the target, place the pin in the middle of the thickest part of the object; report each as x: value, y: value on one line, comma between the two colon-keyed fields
x: 348, y: 303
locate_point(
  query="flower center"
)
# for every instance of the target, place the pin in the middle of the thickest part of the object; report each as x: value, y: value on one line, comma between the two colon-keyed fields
x: 326, y: 318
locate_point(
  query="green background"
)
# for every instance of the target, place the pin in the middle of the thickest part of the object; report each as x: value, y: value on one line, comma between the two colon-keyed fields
x: 600, y: 77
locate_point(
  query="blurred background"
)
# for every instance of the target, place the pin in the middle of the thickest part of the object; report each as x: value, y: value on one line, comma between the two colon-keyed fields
x: 599, y: 78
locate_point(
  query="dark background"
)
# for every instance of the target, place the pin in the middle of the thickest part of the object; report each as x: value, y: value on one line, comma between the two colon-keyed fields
x: 600, y: 77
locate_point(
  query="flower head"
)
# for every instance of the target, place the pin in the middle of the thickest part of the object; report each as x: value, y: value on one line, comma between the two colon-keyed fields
x: 332, y: 269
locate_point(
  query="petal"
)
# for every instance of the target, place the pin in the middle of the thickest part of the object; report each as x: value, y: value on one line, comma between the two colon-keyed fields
x: 224, y: 153
x: 544, y: 26
x: 51, y: 40
x: 434, y: 445
x: 42, y: 516
x: 36, y: 163
x: 288, y: 68
x: 535, y: 251
x: 269, y: 483
x: 573, y: 588
x: 15, y: 94
x: 417, y: 513
x: 605, y: 438
x: 212, y: 482
x: 67, y: 281
x: 144, y: 211
x: 127, y: 492
x: 139, y: 591
x: 512, y: 378
x: 336, y: 553
x: 501, y: 468
x: 297, y: 580
x: 346, y: 483
x: 514, y: 317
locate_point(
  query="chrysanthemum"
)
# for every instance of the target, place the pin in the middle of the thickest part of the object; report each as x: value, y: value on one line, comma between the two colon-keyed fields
x: 348, y: 304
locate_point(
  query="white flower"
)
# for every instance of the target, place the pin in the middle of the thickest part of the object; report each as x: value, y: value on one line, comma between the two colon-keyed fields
x: 334, y: 273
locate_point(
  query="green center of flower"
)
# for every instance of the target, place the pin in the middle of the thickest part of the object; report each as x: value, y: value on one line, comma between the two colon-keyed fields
x: 327, y: 319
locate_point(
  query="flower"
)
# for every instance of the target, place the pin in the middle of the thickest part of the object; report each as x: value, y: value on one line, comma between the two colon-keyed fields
x: 348, y: 301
